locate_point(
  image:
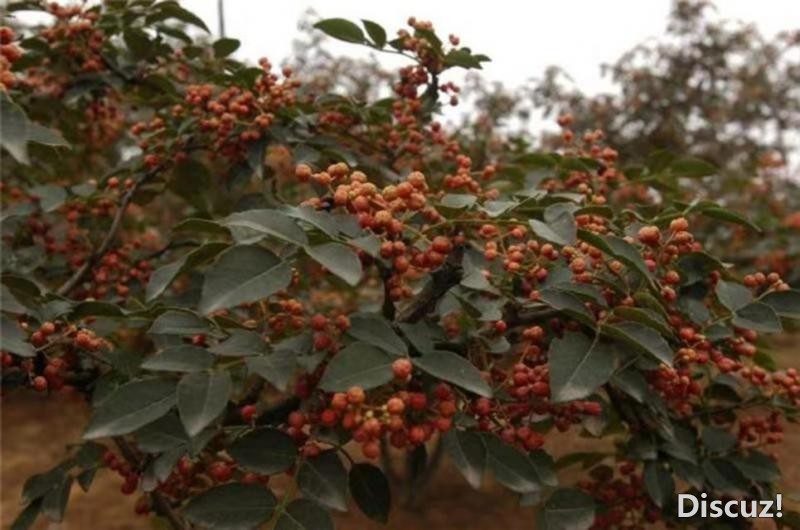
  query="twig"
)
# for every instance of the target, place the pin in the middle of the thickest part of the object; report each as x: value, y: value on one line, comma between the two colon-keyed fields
x: 388, y: 309
x: 105, y: 246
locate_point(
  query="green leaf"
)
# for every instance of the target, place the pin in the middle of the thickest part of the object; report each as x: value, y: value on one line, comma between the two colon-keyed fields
x: 13, y: 339
x: 731, y: 217
x: 463, y: 57
x: 468, y: 453
x: 231, y: 507
x: 240, y: 343
x: 277, y: 367
x: 243, y: 274
x: 341, y: 29
x: 177, y: 323
x: 725, y: 477
x: 50, y: 197
x: 457, y: 201
x: 304, y: 514
x: 578, y: 366
x: 27, y: 517
x: 587, y: 460
x: 718, y: 440
x: 160, y: 468
x: 201, y: 226
x: 184, y: 358
x: 559, y: 224
x: 370, y: 490
x: 618, y: 248
x: 643, y: 338
x: 131, y: 406
x: 54, y: 504
x: 692, y: 168
x: 164, y: 434
x: 38, y: 485
x: 659, y: 483
x: 696, y: 266
x: 373, y: 329
x: 375, y: 32
x: 202, y: 397
x: 163, y: 276
x: 94, y: 308
x: 358, y: 364
x: 644, y: 316
x: 567, y: 509
x: 545, y: 467
x: 733, y: 295
x: 340, y: 259
x: 138, y: 43
x: 171, y: 9
x: 14, y: 133
x: 567, y: 303
x: 633, y: 383
x: 510, y: 467
x: 765, y: 361
x: 250, y: 226
x: 10, y: 304
x: 757, y: 466
x: 759, y: 317
x: 225, y: 47
x: 455, y: 369
x: 266, y: 451
x: 370, y: 243
x: 690, y: 473
x: 324, y: 479
x: 545, y: 232
x: 329, y: 223
x: 784, y: 303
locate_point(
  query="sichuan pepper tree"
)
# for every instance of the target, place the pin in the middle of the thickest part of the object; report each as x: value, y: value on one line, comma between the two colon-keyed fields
x: 261, y: 289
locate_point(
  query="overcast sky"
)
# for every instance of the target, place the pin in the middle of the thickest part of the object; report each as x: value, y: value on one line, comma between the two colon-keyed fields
x: 522, y: 38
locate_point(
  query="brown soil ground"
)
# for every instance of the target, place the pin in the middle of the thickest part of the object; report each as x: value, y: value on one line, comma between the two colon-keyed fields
x: 30, y: 444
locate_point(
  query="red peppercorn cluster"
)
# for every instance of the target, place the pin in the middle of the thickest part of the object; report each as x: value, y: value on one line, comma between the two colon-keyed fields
x: 231, y: 118
x: 9, y: 54
x: 407, y: 417
x: 623, y: 493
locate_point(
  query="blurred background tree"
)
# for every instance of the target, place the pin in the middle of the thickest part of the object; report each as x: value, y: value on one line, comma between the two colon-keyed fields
x: 708, y: 88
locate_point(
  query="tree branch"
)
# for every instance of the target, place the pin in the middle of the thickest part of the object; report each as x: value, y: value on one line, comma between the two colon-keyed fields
x: 111, y: 236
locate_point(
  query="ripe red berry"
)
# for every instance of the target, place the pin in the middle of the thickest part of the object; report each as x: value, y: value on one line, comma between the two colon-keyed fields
x: 296, y: 419
x: 318, y: 322
x: 395, y: 406
x: 650, y: 235
x: 592, y: 408
x: 416, y: 435
x: 339, y: 401
x: 356, y: 395
x: 220, y: 471
x: 371, y: 449
x: 679, y: 225
x: 418, y: 401
x: 441, y: 245
x: 328, y: 417
x: 39, y: 383
x: 402, y: 368
x: 248, y: 412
